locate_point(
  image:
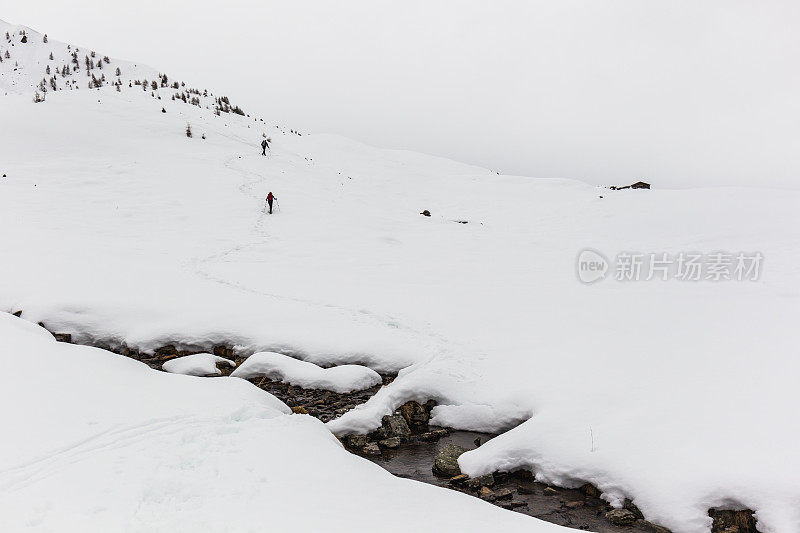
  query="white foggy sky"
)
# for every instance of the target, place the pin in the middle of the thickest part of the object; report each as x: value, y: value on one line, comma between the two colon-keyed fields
x: 680, y: 93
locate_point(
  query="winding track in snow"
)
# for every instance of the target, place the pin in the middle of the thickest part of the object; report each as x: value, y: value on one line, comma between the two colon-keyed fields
x: 251, y: 179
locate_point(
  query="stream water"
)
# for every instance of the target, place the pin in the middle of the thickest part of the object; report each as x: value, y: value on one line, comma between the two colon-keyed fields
x: 571, y: 508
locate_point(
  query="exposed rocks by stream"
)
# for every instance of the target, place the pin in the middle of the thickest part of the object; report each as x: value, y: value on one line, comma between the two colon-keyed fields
x: 430, y: 454
x: 728, y: 521
x: 321, y: 404
x: 445, y: 463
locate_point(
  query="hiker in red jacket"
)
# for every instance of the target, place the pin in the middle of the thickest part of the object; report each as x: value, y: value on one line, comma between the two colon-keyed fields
x: 270, y: 198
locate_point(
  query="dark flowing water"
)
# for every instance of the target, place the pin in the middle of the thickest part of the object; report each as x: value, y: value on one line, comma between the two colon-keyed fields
x: 571, y: 508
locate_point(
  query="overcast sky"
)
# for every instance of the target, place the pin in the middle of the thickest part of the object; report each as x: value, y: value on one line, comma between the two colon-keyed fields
x: 679, y: 93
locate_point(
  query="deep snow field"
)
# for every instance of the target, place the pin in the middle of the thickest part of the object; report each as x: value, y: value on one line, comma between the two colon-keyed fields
x: 119, y: 229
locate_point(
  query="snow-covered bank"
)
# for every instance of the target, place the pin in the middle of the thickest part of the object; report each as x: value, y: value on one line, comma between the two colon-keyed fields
x: 120, y: 229
x: 276, y: 366
x: 199, y: 364
x: 99, y: 442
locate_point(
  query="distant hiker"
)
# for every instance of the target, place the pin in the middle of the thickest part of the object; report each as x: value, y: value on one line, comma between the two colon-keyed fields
x: 264, y: 146
x: 270, y: 199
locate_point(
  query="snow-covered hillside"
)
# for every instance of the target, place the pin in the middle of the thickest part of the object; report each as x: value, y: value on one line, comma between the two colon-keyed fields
x: 122, y: 230
x: 31, y: 63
